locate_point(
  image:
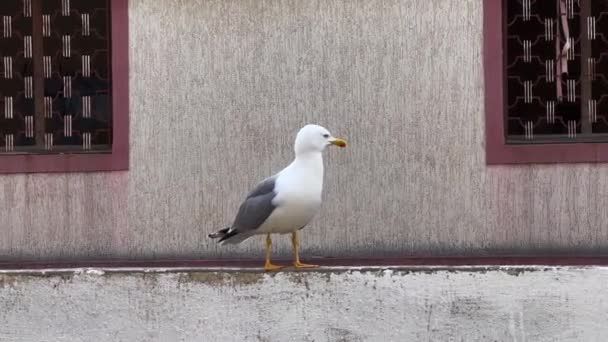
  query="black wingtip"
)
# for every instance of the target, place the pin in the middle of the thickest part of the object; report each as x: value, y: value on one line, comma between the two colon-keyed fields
x: 220, y: 233
x: 228, y: 235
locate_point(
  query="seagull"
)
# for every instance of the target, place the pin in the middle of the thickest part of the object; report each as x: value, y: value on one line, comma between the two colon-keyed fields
x: 287, y: 201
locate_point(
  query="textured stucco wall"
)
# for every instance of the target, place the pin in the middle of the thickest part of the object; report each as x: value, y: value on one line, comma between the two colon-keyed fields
x: 378, y: 305
x: 219, y: 88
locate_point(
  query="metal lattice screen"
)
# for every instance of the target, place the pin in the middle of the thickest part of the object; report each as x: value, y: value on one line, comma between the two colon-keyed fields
x: 55, y: 80
x: 556, y: 67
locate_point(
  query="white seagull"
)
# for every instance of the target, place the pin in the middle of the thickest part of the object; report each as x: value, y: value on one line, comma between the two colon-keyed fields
x: 287, y: 201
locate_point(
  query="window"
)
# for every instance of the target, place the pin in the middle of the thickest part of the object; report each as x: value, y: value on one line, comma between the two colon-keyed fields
x: 63, y: 85
x: 546, y: 72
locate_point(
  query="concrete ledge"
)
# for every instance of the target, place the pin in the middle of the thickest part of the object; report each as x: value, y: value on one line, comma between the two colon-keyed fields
x: 478, y: 303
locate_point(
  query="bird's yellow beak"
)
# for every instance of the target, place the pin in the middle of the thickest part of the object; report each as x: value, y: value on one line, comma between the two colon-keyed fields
x: 338, y: 142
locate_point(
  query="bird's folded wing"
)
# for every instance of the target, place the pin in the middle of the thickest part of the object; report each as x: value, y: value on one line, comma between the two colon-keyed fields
x: 257, y: 207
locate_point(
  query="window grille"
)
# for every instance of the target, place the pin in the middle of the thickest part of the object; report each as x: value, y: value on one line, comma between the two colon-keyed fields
x: 556, y: 66
x: 55, y: 82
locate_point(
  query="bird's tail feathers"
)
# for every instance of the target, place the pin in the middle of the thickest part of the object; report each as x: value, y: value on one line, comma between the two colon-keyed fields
x: 227, y: 236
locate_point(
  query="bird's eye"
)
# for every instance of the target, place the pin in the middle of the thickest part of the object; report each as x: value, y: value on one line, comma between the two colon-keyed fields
x: 325, y: 136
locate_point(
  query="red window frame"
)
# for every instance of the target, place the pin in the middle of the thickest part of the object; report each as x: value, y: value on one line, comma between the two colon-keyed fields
x: 118, y: 159
x: 497, y: 149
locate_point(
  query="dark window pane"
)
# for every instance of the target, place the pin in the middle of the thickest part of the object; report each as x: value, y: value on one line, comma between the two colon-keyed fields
x: 67, y: 58
x: 599, y: 66
x: 556, y: 67
x: 16, y: 78
x: 77, y: 86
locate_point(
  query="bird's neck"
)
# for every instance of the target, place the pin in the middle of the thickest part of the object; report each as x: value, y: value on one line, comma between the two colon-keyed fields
x: 312, y: 162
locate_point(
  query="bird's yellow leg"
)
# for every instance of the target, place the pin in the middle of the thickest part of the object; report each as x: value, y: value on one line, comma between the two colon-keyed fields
x: 269, y: 266
x: 295, y: 241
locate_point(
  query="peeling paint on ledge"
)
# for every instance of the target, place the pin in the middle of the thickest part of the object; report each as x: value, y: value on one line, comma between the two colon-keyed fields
x: 247, y: 276
x: 513, y: 270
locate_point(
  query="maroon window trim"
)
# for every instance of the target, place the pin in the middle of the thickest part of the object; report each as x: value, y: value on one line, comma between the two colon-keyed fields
x: 118, y: 159
x: 497, y: 150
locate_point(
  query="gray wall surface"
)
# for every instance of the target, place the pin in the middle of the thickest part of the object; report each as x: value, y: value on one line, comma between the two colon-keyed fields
x: 563, y: 304
x: 218, y: 91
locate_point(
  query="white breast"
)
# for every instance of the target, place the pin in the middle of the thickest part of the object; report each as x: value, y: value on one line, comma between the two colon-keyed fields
x: 299, y: 189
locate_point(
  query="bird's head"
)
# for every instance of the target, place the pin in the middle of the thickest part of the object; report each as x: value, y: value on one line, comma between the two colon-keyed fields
x: 314, y: 138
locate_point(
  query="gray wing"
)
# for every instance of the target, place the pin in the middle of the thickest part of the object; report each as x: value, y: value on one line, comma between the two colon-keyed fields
x: 256, y: 208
